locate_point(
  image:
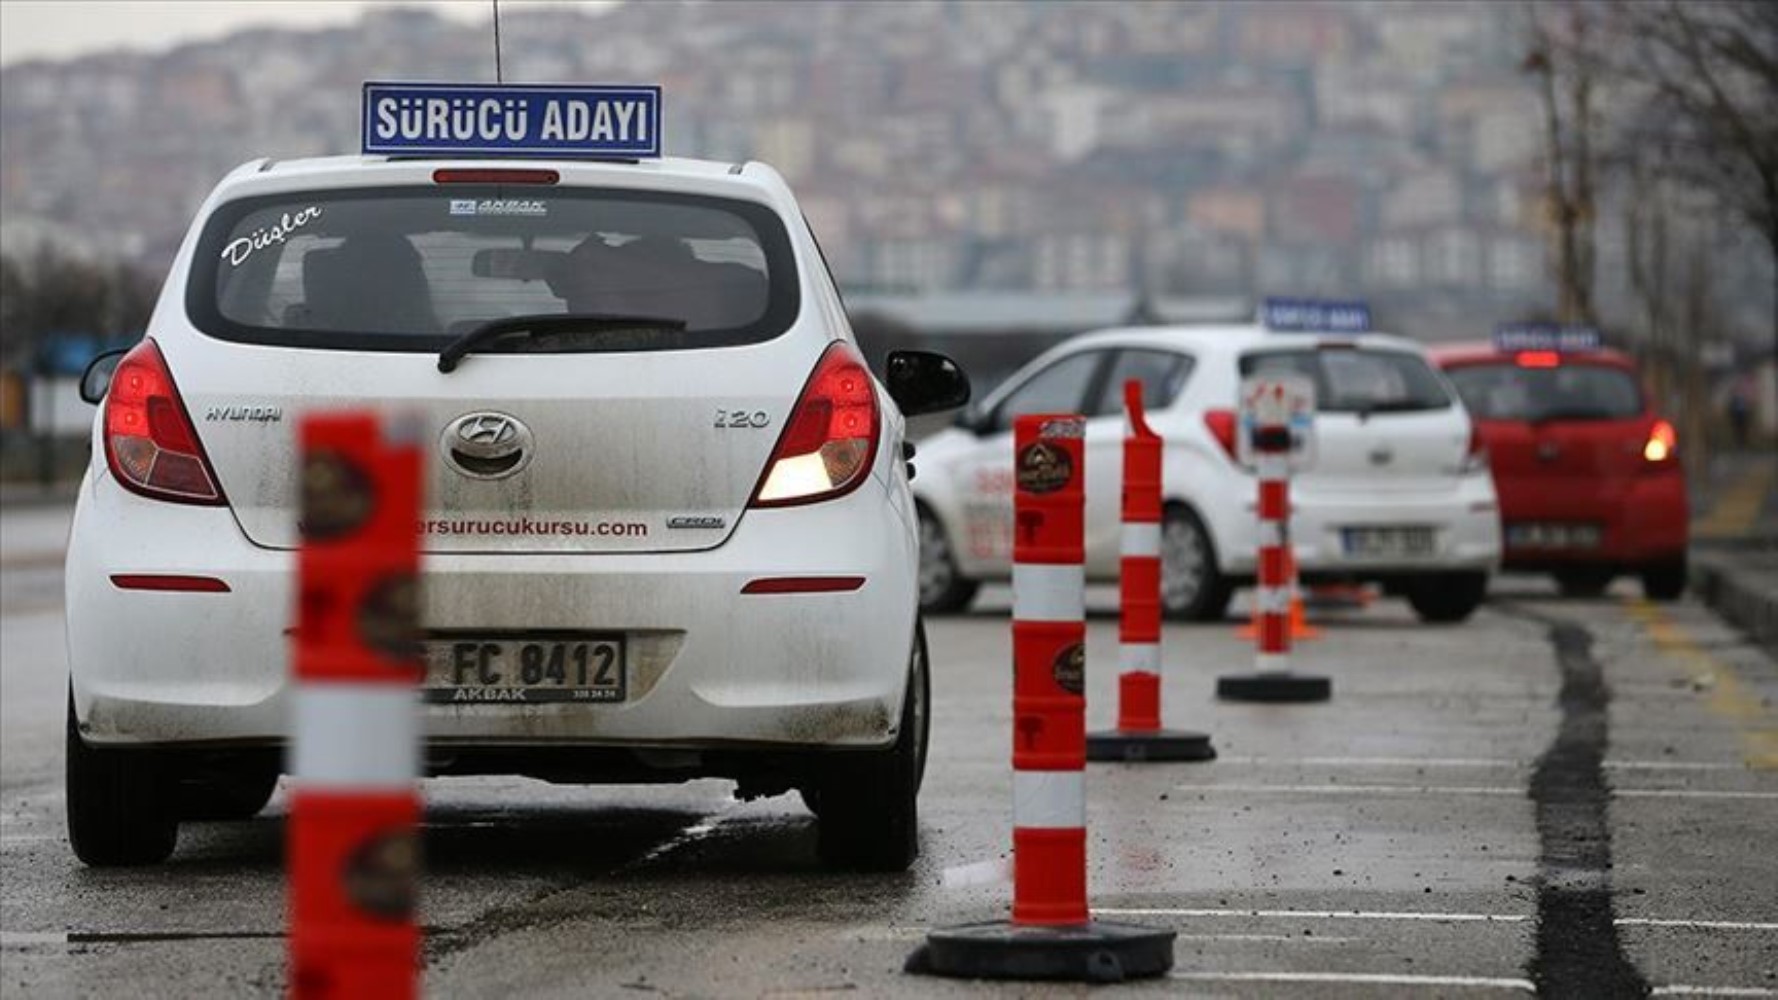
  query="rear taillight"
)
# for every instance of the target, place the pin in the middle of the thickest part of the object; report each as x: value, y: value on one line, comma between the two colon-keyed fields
x: 1538, y: 359
x: 150, y: 443
x: 1662, y: 442
x: 830, y: 441
x: 1222, y: 427
x: 1475, y: 456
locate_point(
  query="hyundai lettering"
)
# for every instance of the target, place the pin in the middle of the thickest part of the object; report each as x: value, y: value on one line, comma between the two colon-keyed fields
x: 668, y: 531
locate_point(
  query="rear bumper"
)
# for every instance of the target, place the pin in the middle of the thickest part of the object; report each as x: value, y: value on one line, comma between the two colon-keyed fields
x: 1641, y: 520
x: 709, y: 666
x: 1464, y: 521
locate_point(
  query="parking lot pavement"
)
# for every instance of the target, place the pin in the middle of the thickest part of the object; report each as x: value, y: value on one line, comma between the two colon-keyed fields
x: 1566, y: 793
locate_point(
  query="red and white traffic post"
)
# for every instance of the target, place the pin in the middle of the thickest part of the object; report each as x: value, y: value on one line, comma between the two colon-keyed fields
x: 1139, y: 736
x: 1268, y: 436
x: 355, y: 751
x: 1051, y: 934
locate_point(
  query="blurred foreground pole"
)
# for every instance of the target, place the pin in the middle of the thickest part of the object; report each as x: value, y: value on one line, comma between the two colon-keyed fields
x: 353, y: 849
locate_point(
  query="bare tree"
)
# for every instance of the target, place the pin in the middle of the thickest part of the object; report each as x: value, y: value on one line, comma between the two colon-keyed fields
x: 1560, y: 56
x: 1708, y: 73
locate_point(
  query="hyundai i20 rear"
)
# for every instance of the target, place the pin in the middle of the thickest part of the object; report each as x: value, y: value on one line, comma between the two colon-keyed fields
x: 655, y: 453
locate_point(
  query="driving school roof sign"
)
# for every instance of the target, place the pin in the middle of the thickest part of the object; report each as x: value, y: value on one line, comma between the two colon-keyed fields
x: 1546, y: 337
x: 435, y: 119
x: 1314, y: 316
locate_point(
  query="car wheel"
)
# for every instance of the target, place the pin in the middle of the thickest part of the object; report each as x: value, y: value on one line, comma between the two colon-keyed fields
x: 119, y: 812
x: 1192, y: 588
x: 943, y: 589
x: 867, y: 808
x: 1583, y: 582
x: 1447, y: 597
x: 235, y: 789
x: 1664, y: 581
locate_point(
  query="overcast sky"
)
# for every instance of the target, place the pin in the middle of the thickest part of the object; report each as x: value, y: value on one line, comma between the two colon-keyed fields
x: 58, y: 29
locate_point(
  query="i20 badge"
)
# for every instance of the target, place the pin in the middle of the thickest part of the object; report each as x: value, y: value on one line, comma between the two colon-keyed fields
x: 487, y: 445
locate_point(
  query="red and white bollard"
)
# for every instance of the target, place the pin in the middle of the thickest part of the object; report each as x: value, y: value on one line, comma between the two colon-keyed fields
x: 1051, y: 935
x: 1139, y: 736
x: 1272, y: 679
x: 355, y: 750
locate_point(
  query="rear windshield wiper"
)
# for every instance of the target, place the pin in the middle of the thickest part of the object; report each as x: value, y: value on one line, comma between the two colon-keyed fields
x: 546, y: 324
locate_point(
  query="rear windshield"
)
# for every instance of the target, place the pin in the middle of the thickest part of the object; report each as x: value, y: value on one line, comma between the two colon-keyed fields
x: 409, y: 269
x: 1565, y: 392
x: 1358, y: 380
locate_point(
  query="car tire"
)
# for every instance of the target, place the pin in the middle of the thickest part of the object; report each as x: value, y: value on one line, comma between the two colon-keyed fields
x: 1192, y: 586
x: 1447, y: 598
x: 236, y: 789
x: 943, y: 587
x: 119, y: 812
x: 867, y: 808
x: 1583, y: 582
x: 1664, y: 581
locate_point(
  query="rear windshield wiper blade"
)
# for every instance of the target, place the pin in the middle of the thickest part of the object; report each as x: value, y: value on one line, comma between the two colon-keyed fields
x: 547, y: 323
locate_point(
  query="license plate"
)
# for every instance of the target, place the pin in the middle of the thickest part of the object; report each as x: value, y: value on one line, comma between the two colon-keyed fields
x: 1539, y: 535
x: 496, y: 669
x: 1377, y: 543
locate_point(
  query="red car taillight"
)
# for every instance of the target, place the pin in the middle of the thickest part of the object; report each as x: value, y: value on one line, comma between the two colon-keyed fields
x: 1663, y: 442
x: 1222, y: 427
x: 830, y: 441
x: 150, y: 443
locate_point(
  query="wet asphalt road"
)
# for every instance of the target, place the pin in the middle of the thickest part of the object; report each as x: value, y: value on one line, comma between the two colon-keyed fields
x: 1577, y: 795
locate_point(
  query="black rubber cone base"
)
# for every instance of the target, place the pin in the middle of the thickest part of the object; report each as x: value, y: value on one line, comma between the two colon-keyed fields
x: 1274, y: 687
x: 1136, y: 746
x: 1093, y: 952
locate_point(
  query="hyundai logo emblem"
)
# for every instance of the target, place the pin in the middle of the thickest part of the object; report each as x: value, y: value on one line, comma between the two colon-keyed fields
x: 486, y: 445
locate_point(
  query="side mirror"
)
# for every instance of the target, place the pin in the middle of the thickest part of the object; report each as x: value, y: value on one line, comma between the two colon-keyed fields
x: 97, y: 378
x: 924, y: 382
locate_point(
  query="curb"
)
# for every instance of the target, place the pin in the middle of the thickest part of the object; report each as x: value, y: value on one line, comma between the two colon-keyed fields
x: 1735, y: 594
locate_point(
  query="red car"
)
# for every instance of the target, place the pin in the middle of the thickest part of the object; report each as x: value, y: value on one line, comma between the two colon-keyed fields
x: 1587, y: 472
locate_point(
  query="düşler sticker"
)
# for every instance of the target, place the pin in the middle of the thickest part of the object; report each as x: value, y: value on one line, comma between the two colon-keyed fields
x: 238, y: 250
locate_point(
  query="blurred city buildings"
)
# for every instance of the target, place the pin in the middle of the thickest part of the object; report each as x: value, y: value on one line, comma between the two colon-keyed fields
x: 1379, y: 149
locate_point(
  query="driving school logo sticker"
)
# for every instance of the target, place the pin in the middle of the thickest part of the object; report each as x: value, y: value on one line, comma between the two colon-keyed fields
x: 1044, y: 468
x: 1070, y: 668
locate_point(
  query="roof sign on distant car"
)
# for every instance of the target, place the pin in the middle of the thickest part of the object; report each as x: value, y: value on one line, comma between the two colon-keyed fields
x: 1557, y: 337
x: 565, y: 122
x: 1314, y: 316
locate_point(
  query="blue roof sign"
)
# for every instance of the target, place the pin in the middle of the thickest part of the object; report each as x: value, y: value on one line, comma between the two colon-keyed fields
x: 441, y: 119
x: 1314, y: 316
x: 1510, y: 337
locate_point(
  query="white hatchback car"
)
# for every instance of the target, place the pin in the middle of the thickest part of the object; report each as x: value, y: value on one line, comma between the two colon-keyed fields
x: 656, y: 444
x: 1399, y: 491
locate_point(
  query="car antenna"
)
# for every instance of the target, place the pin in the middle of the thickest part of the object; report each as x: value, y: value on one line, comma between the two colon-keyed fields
x: 499, y: 76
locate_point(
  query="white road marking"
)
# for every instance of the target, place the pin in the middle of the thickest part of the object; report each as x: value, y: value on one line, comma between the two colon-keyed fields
x: 1416, y: 915
x: 1483, y: 762
x: 1304, y: 939
x: 1360, y: 979
x: 1442, y: 918
x: 1702, y: 925
x: 25, y: 939
x: 994, y: 871
x: 1483, y: 790
x: 1713, y: 991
